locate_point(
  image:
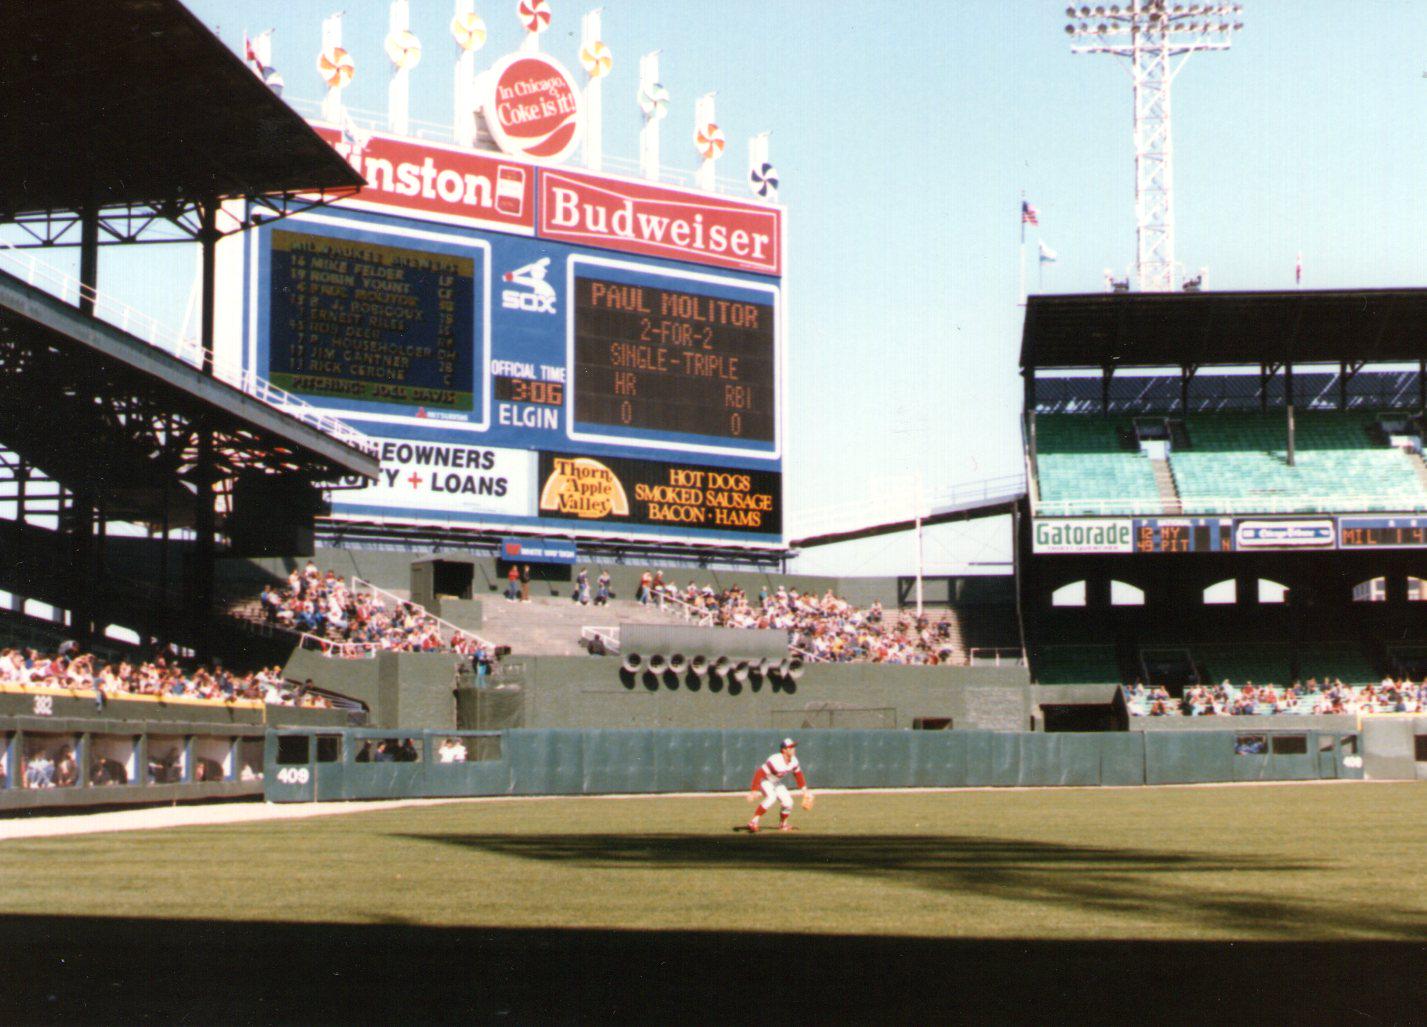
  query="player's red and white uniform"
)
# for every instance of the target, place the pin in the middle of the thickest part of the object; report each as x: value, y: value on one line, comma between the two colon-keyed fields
x: 768, y: 779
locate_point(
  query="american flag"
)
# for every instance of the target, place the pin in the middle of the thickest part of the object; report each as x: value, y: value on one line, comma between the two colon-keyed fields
x: 1029, y: 215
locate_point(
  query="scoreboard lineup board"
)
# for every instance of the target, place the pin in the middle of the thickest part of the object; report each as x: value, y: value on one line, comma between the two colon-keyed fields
x: 1309, y: 532
x: 515, y: 382
x: 371, y: 322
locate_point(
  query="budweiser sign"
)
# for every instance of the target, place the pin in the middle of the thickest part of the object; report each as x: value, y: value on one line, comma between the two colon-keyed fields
x: 640, y: 218
x: 533, y: 107
x: 438, y: 183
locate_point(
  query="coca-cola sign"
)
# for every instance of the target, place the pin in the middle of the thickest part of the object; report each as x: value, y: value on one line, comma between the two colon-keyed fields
x: 659, y: 222
x: 533, y: 107
x: 438, y: 183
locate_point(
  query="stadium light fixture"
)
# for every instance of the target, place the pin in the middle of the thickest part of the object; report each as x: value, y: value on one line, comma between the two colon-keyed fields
x: 1156, y: 39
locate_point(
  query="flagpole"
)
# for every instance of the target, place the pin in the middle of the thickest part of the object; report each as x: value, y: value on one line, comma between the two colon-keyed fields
x: 1021, y: 214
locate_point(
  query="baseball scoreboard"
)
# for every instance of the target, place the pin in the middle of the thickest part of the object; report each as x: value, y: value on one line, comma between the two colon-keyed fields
x: 529, y: 348
x: 1127, y: 535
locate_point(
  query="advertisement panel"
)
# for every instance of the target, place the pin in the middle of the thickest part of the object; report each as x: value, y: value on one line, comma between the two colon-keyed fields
x: 1082, y: 535
x: 450, y: 344
x: 611, y: 490
x: 1303, y: 533
x: 440, y: 477
x: 438, y: 183
x: 656, y: 221
x: 537, y: 550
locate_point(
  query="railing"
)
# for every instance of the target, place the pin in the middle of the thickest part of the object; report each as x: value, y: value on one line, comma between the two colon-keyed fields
x: 1239, y: 505
x: 608, y: 636
x: 446, y: 626
x: 808, y: 657
x: 688, y: 610
x: 70, y: 290
x: 898, y: 505
x: 341, y: 650
x: 1004, y: 657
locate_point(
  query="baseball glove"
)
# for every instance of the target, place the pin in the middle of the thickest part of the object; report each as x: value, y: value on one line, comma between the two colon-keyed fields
x: 807, y: 799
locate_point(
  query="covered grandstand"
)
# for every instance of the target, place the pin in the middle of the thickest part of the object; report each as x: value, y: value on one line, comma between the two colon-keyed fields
x: 1224, y: 487
x: 128, y: 456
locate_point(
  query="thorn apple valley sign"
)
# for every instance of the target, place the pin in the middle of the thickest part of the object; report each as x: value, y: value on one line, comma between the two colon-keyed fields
x: 533, y: 107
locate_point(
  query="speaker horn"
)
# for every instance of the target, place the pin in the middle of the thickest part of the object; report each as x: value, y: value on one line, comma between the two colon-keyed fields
x: 699, y: 665
x: 721, y: 666
x: 793, y: 668
x: 740, y: 671
x: 657, y: 663
x: 631, y: 663
x: 678, y: 663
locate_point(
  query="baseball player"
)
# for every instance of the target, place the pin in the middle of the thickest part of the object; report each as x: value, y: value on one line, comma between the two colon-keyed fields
x: 768, y: 785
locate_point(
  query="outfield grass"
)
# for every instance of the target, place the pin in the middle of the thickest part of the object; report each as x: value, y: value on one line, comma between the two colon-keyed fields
x: 1276, y: 863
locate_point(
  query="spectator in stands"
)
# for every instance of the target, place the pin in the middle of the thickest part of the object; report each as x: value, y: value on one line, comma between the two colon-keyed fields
x: 512, y: 591
x: 104, y: 771
x: 451, y: 751
x: 646, y: 583
x: 39, y: 771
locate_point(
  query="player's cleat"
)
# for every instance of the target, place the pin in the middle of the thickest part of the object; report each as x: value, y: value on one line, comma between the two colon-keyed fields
x: 786, y: 827
x: 751, y: 827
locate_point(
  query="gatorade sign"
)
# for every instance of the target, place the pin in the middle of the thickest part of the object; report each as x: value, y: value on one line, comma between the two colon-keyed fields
x: 533, y: 107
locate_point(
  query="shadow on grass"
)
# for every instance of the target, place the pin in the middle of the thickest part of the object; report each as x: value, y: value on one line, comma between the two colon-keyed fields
x: 1237, y: 893
x: 113, y: 970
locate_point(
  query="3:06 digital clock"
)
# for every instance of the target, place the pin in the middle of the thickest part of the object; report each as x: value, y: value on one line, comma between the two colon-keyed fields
x: 530, y: 390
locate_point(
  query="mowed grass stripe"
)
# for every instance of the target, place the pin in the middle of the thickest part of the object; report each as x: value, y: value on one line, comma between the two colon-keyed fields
x: 1277, y: 863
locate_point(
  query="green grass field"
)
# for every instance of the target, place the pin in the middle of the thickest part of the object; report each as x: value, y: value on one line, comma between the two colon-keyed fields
x: 1277, y: 862
x: 1058, y: 870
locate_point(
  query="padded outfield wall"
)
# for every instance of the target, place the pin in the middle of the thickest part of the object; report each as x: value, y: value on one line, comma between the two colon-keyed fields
x: 301, y: 767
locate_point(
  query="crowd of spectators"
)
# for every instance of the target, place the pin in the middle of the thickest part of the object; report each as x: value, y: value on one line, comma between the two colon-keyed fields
x: 825, y: 628
x: 87, y: 676
x: 346, y: 622
x: 1312, y: 696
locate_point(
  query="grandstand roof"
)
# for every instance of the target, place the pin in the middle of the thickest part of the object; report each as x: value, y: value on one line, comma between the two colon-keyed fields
x: 136, y: 101
x: 86, y: 402
x: 1172, y: 329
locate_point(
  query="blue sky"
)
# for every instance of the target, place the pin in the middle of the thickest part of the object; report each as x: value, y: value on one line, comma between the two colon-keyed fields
x: 905, y: 136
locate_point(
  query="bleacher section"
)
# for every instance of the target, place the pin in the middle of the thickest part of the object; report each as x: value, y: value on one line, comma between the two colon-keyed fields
x: 1237, y: 462
x: 1075, y: 665
x: 1241, y: 664
x: 1083, y: 463
x: 1340, y: 662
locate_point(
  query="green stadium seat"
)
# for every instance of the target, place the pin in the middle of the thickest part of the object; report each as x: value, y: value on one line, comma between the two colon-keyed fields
x: 1083, y: 468
x: 1075, y: 665
x: 1238, y: 463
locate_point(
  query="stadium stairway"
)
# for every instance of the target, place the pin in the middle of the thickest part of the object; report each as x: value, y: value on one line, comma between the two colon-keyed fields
x: 1164, y: 481
x: 550, y: 626
x: 1419, y: 467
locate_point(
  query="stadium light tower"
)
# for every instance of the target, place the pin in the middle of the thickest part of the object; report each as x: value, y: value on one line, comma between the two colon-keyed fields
x: 1151, y: 34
